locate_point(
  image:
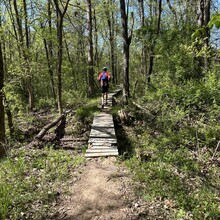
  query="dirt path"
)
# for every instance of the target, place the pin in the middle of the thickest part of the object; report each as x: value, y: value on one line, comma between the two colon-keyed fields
x: 100, y: 190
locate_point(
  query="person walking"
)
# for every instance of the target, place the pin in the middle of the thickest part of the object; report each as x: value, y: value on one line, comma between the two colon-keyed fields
x: 104, y: 78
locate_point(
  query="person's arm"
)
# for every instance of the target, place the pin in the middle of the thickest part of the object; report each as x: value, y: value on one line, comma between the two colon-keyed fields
x: 109, y: 76
x: 99, y: 77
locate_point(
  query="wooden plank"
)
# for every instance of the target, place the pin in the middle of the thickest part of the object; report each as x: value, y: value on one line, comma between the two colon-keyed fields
x: 101, y: 150
x: 102, y: 144
x: 102, y: 135
x: 104, y: 130
x: 101, y: 154
x: 102, y: 140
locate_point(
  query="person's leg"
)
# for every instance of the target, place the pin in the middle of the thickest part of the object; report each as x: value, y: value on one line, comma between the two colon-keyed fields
x: 103, y: 96
x: 106, y: 95
x: 106, y: 98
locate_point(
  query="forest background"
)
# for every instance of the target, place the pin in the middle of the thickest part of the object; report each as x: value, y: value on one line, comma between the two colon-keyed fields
x: 164, y: 54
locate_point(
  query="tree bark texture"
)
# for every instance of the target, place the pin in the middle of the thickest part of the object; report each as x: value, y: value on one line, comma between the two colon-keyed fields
x: 151, y: 62
x: 60, y: 17
x: 126, y: 47
x: 9, y: 116
x: 202, y: 21
x: 111, y: 28
x: 144, y: 49
x: 2, y: 112
x: 96, y: 55
x: 73, y: 71
x: 90, y: 70
x: 49, y: 51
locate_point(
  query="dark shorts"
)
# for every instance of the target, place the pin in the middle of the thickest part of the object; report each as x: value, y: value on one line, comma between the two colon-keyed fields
x: 104, y: 89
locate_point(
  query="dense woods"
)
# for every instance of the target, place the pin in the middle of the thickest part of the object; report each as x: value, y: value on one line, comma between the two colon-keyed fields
x: 164, y: 54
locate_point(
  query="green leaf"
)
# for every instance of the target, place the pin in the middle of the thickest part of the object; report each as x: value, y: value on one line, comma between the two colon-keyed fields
x: 215, y: 21
x: 217, y: 24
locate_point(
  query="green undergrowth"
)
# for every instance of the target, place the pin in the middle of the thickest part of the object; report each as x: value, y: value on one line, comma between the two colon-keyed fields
x: 31, y: 180
x: 175, y: 155
x: 86, y: 112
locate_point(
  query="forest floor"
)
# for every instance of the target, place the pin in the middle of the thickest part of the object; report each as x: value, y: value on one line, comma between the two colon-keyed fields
x: 101, y: 189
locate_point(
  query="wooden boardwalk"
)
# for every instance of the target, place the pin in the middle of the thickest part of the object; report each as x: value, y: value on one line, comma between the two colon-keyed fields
x: 102, y: 138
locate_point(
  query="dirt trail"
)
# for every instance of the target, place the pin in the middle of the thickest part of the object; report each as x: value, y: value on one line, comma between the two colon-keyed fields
x: 100, y: 190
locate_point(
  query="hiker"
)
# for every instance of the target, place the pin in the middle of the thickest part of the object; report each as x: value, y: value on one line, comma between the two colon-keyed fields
x: 104, y: 78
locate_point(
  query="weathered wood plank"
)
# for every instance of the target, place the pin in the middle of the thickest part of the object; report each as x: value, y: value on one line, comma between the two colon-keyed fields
x: 91, y: 150
x: 101, y: 154
x: 102, y: 140
x: 103, y: 148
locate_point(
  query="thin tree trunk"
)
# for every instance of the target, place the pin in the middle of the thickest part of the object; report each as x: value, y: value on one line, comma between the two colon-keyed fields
x: 126, y: 47
x: 29, y: 80
x: 60, y: 16
x: 151, y: 63
x: 50, y: 70
x: 96, y: 55
x: 49, y: 52
x: 2, y: 112
x: 90, y: 70
x: 203, y: 18
x: 59, y: 63
x: 207, y: 32
x: 111, y: 26
x: 12, y: 18
x: 24, y: 45
x: 4, y: 107
x: 144, y: 49
x: 71, y: 61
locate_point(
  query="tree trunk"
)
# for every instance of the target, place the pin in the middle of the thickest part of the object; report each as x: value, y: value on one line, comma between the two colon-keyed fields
x: 203, y: 17
x: 151, y: 63
x: 49, y: 52
x: 126, y: 47
x: 24, y: 45
x: 90, y: 70
x: 59, y: 63
x: 111, y: 26
x: 96, y: 55
x: 29, y: 80
x: 60, y: 16
x: 2, y: 112
x: 71, y: 61
x: 50, y: 70
x: 144, y: 49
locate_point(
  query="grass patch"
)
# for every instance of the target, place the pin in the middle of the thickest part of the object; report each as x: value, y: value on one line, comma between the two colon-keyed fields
x: 86, y: 113
x: 31, y: 180
x: 174, y: 157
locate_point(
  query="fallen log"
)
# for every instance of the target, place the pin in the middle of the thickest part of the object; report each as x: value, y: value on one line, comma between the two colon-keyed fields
x: 59, y: 131
x: 143, y: 109
x: 47, y: 127
x: 40, y: 135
